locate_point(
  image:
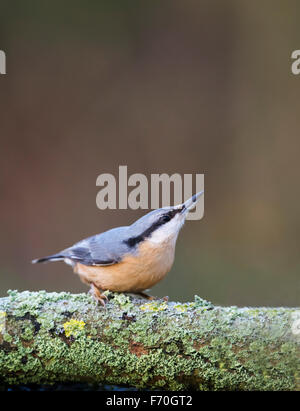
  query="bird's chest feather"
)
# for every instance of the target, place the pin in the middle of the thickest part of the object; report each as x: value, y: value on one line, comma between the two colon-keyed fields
x: 156, y: 258
x: 136, y: 272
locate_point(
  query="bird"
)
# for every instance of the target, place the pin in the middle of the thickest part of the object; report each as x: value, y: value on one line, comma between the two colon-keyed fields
x: 129, y: 258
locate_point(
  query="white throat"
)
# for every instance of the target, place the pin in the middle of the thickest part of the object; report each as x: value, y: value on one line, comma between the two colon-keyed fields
x: 167, y: 233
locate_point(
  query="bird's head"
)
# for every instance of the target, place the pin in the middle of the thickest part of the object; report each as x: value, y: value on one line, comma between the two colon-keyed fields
x: 164, y: 223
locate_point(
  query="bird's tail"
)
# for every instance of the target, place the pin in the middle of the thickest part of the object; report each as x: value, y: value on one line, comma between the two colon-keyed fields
x: 54, y: 257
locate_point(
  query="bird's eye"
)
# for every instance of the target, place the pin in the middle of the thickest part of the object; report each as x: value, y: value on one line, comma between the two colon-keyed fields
x: 165, y: 218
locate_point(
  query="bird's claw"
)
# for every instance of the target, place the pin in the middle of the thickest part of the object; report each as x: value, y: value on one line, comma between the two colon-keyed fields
x: 148, y: 297
x: 97, y: 295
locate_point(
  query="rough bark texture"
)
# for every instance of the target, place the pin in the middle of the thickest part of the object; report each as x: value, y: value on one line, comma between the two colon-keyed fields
x: 56, y: 337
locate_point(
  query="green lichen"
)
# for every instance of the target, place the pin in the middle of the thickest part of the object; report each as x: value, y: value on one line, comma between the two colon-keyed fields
x: 28, y: 332
x: 2, y: 321
x: 180, y: 308
x: 154, y: 306
x: 200, y: 302
x: 62, y: 337
x: 7, y: 337
x: 121, y: 299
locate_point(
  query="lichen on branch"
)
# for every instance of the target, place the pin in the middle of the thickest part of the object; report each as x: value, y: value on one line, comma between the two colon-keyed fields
x: 60, y: 337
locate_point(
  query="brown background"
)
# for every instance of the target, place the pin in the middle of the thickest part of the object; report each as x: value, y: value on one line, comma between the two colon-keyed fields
x: 160, y: 86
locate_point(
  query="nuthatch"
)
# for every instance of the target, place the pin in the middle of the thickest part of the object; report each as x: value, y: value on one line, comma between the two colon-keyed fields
x: 128, y: 259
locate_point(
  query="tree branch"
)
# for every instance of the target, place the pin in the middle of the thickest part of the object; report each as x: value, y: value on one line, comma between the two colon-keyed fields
x: 57, y: 337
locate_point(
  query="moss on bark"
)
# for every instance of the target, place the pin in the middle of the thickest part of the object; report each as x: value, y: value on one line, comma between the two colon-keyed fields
x: 57, y: 337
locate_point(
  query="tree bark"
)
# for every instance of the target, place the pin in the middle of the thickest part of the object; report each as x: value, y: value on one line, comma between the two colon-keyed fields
x: 59, y: 337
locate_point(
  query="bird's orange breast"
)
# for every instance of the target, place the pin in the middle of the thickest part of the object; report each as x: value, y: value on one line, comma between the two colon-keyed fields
x: 134, y: 273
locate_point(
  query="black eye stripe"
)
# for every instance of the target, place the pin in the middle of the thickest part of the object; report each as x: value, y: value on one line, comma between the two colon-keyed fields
x: 173, y: 212
x: 133, y: 241
x: 169, y: 215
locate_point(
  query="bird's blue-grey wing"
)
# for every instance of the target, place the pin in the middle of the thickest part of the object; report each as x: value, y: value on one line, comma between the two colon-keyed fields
x: 102, y: 249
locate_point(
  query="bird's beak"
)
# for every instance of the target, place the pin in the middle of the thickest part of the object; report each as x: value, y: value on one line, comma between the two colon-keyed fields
x: 190, y: 203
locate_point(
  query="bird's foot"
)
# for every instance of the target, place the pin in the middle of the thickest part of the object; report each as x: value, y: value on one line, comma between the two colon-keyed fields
x: 97, y: 295
x: 147, y: 296
x: 151, y: 298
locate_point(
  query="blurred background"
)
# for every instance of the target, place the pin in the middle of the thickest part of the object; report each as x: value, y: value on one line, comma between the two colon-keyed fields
x: 162, y: 87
